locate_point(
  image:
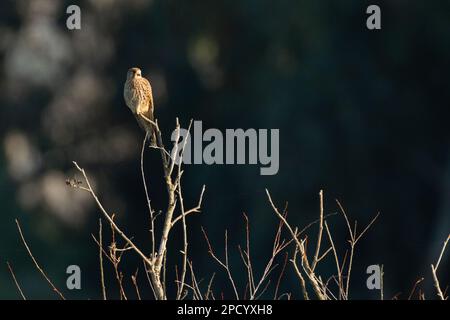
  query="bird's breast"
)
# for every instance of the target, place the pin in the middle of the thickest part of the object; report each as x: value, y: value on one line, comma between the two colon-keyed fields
x: 131, y: 96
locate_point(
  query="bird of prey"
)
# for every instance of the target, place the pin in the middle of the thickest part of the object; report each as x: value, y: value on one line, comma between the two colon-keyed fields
x: 138, y: 96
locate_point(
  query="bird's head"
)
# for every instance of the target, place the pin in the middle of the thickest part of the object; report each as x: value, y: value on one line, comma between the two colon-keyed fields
x: 134, y: 73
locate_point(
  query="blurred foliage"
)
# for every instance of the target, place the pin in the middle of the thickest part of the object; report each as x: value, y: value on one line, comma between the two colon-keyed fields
x: 362, y: 114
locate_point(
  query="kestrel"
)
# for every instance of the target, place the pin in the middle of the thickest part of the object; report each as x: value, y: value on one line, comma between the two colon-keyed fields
x: 138, y: 97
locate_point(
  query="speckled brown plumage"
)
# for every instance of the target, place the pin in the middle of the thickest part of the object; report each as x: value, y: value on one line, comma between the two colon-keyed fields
x: 138, y: 97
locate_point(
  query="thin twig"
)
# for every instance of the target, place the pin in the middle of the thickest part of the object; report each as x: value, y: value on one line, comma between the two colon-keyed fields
x: 442, y: 252
x: 354, y: 238
x: 208, y: 290
x: 100, y: 254
x: 224, y: 265
x: 281, y: 276
x: 299, y: 274
x: 247, y: 260
x: 115, y: 260
x: 305, y: 264
x: 107, y: 216
x: 319, y: 237
x: 134, y: 280
x: 382, y: 283
x: 338, y: 268
x: 193, y: 210
x: 414, y: 288
x: 36, y: 263
x: 15, y: 281
x: 434, y: 272
x: 278, y: 246
x: 144, y: 181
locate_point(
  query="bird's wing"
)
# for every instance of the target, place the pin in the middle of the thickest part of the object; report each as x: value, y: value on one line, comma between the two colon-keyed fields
x: 147, y: 89
x: 128, y: 96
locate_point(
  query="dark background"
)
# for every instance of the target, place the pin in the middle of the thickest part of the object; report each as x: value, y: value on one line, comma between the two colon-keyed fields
x: 362, y: 114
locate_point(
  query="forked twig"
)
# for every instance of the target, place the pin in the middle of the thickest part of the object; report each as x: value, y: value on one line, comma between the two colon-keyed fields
x: 225, y: 264
x: 434, y: 272
x: 354, y: 238
x: 314, y: 281
x: 414, y: 288
x: 108, y: 217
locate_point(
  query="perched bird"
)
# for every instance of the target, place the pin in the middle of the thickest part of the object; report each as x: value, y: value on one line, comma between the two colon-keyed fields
x: 138, y: 96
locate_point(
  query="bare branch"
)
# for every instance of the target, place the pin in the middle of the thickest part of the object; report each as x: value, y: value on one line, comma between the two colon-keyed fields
x: 144, y: 181
x: 100, y: 254
x: 338, y: 268
x: 414, y: 288
x: 275, y: 296
x: 208, y: 290
x: 134, y: 280
x: 321, y: 295
x: 434, y: 272
x: 193, y: 210
x: 15, y: 281
x: 299, y: 275
x: 36, y: 263
x: 224, y: 265
x: 319, y: 237
x: 108, y: 217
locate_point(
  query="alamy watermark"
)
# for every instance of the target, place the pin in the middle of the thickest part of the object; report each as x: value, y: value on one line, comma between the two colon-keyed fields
x: 74, y: 279
x: 73, y: 21
x: 374, y: 281
x: 373, y: 22
x: 235, y: 146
